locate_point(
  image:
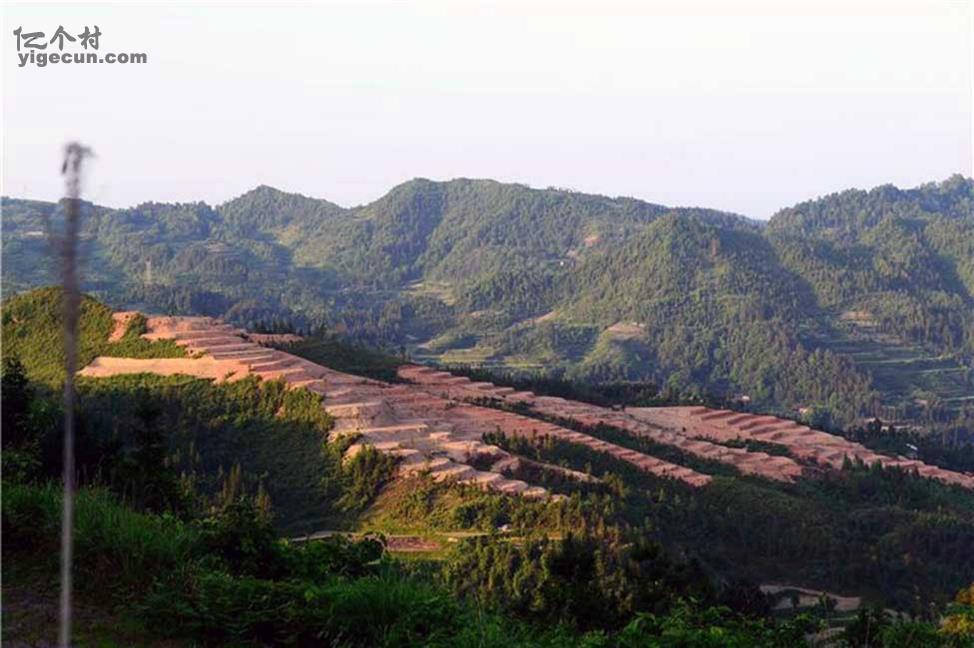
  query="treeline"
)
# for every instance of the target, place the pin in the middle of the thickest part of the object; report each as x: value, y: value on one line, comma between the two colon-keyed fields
x: 951, y: 448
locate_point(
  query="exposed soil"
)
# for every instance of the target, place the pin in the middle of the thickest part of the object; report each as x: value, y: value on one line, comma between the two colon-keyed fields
x: 432, y: 424
x: 122, y: 320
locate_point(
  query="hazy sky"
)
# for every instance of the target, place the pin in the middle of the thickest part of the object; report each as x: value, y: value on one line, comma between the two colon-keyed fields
x: 745, y: 106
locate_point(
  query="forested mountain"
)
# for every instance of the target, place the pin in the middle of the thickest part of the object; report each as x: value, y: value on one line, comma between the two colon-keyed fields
x: 858, y: 303
x: 905, y: 258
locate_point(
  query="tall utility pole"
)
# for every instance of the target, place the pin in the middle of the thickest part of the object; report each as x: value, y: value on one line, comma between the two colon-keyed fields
x: 67, y: 247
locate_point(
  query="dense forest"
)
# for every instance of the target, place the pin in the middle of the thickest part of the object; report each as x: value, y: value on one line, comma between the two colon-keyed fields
x: 188, y: 486
x: 858, y: 304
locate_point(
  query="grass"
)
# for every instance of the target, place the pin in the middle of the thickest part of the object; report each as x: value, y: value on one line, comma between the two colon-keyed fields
x: 418, y: 506
x: 133, y: 345
x: 30, y: 603
x: 112, y: 542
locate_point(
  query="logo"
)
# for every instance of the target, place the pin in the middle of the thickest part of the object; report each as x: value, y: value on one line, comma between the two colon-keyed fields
x: 66, y: 47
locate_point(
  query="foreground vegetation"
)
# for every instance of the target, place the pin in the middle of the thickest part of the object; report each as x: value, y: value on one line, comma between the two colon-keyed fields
x: 187, y: 488
x: 195, y: 555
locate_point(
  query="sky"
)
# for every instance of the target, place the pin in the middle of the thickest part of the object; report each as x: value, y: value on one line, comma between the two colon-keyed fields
x: 746, y: 106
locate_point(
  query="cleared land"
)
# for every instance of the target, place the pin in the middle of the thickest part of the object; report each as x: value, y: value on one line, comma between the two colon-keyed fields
x: 698, y: 431
x: 435, y: 421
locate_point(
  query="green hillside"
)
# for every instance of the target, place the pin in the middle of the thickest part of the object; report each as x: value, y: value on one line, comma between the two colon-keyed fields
x: 187, y: 488
x: 789, y: 313
x: 33, y: 333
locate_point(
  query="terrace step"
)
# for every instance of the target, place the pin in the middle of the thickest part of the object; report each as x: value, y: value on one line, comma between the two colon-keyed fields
x: 356, y: 448
x: 430, y: 464
x: 215, y: 341
x: 456, y: 471
x: 246, y: 355
x: 741, y: 418
x: 224, y: 348
x: 208, y: 333
x: 386, y: 446
x: 360, y: 408
x: 407, y: 455
x: 715, y: 416
x: 761, y: 420
x: 512, y: 486
x: 401, y: 433
x: 534, y: 492
x: 454, y: 380
x: 288, y: 375
x: 486, y: 478
x: 276, y: 363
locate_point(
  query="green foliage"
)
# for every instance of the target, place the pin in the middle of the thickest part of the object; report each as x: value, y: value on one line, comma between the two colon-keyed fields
x: 33, y: 333
x: 583, y: 581
x: 364, y: 475
x: 722, y: 305
x: 185, y: 586
x: 342, y: 355
x: 242, y: 535
x: 421, y: 505
x: 957, y: 627
x: 689, y: 625
x: 17, y: 394
x: 113, y: 544
x: 161, y: 441
x: 363, y: 612
x: 133, y: 345
x: 864, y: 528
x: 274, y: 436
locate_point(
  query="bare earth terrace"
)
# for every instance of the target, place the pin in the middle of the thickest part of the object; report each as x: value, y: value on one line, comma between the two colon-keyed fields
x: 432, y: 423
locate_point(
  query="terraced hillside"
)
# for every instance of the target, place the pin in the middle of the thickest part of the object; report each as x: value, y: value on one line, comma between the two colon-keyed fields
x: 910, y: 376
x: 435, y: 423
x: 699, y: 431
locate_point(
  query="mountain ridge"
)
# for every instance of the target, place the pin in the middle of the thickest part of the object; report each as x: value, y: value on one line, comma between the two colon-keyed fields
x: 475, y: 270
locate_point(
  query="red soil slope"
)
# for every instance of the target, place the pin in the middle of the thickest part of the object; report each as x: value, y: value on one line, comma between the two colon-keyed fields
x: 425, y: 430
x: 698, y: 431
x: 432, y: 424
